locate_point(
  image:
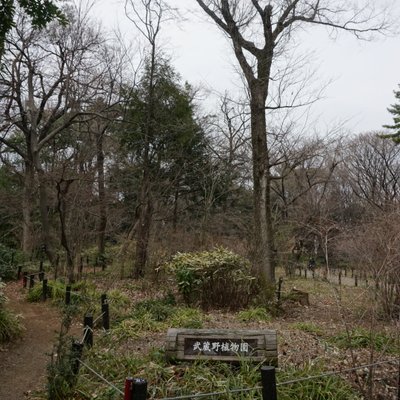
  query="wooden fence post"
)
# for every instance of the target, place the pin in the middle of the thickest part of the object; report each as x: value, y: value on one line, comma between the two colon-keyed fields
x: 105, y: 312
x: 44, y: 289
x: 31, y: 281
x: 19, y: 272
x: 76, y: 351
x: 268, y: 381
x: 24, y: 280
x: 398, y: 384
x: 68, y: 295
x: 80, y: 273
x: 279, y: 291
x: 88, y: 330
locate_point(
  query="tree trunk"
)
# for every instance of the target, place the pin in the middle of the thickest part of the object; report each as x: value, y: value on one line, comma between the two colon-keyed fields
x: 264, y: 258
x: 143, y: 229
x: 27, y: 208
x: 102, y: 224
x: 62, y: 212
x: 44, y: 212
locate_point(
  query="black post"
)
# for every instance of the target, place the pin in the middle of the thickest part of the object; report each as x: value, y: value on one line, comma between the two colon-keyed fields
x: 19, y: 272
x: 398, y: 383
x: 31, y: 281
x: 305, y: 273
x: 81, y: 268
x: 398, y: 389
x: 105, y: 312
x: 41, y: 266
x: 279, y: 292
x: 268, y: 381
x: 44, y: 289
x: 24, y: 279
x: 340, y: 278
x: 76, y: 351
x: 68, y: 295
x: 88, y: 330
x: 355, y: 280
x: 139, y: 389
x: 41, y: 276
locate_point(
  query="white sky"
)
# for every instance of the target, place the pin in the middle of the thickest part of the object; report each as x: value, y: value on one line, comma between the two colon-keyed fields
x: 363, y: 74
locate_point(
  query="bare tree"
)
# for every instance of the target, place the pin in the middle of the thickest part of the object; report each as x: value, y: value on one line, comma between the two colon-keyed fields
x: 47, y: 82
x: 372, y: 166
x: 260, y: 32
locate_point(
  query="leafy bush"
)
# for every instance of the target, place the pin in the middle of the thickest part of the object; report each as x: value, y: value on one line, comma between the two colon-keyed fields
x: 188, y: 318
x: 159, y: 309
x: 254, y: 314
x: 174, y: 380
x: 361, y: 338
x: 308, y: 327
x: 62, y: 370
x: 318, y: 388
x: 10, y: 327
x: 133, y: 328
x: 8, y: 267
x: 217, y: 278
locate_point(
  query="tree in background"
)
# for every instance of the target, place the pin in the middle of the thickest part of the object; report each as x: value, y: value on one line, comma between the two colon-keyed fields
x: 261, y: 33
x: 164, y: 156
x: 48, y: 80
x: 395, y: 111
x: 41, y: 13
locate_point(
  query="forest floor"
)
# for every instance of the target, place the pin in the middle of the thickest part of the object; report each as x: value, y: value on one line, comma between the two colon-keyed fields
x: 302, y: 332
x: 23, y: 362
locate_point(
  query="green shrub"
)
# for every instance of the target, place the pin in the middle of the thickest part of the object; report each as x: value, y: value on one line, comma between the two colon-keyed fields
x: 133, y: 328
x: 188, y: 318
x: 217, y: 278
x: 308, y: 327
x: 320, y: 388
x: 8, y: 263
x: 361, y: 338
x: 254, y: 314
x: 158, y: 309
x: 10, y: 327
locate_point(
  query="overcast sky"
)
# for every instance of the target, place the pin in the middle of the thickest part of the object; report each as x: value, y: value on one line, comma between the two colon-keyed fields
x: 363, y: 74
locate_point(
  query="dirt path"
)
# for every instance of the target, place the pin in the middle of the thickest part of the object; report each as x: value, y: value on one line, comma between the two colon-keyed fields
x: 23, y: 363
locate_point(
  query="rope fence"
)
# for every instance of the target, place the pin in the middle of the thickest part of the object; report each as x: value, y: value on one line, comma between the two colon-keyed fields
x: 136, y: 388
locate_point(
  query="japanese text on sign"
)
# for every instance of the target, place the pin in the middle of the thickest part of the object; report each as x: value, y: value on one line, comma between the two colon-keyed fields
x: 219, y: 347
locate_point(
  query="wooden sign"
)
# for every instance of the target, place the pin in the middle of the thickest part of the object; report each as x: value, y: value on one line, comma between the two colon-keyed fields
x: 222, y: 345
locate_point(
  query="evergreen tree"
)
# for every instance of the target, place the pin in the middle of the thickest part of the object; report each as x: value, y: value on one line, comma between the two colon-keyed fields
x: 395, y: 111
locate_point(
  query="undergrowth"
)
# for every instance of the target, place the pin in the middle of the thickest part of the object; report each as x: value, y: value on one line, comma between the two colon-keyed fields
x: 10, y: 326
x: 358, y: 338
x: 184, y: 379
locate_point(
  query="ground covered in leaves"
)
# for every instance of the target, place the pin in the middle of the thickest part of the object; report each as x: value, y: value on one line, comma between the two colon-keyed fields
x: 340, y: 329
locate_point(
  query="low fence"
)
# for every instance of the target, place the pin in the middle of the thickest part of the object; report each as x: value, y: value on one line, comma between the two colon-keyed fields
x: 341, y: 276
x: 137, y: 388
x: 86, y: 264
